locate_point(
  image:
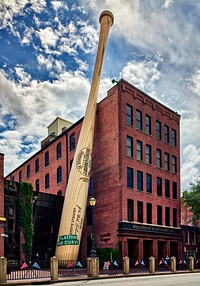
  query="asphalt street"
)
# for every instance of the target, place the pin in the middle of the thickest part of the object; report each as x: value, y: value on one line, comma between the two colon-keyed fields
x: 154, y: 280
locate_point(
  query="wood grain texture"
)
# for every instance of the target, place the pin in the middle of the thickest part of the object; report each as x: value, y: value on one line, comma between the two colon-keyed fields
x: 74, y: 207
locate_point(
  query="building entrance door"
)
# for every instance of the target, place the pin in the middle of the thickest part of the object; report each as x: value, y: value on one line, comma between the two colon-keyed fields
x: 133, y: 248
x: 147, y: 249
x: 162, y: 248
x: 174, y: 249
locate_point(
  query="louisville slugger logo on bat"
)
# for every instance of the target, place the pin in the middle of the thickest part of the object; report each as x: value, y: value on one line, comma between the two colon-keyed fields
x: 84, y: 161
x: 73, y: 212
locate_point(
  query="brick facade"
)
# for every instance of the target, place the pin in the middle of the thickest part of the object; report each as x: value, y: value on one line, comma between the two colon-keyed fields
x: 113, y: 226
x: 1, y: 204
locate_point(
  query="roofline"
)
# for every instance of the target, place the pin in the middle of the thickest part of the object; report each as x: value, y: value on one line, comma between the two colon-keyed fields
x: 158, y: 102
x: 57, y: 138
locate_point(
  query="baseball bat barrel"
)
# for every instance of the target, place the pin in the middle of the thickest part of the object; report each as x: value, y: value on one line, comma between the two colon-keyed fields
x: 75, y: 201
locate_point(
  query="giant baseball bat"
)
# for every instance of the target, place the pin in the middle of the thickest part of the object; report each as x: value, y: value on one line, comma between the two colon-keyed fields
x: 74, y: 206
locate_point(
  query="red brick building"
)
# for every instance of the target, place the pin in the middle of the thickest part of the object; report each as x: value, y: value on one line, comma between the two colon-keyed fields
x: 191, y: 233
x: 135, y: 173
x: 2, y: 218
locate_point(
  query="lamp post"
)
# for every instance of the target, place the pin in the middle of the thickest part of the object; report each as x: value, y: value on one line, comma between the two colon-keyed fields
x: 93, y: 250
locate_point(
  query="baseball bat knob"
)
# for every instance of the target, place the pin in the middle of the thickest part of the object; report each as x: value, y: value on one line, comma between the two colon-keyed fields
x: 107, y: 14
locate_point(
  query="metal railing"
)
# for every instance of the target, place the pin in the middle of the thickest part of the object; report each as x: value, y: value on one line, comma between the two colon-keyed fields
x: 71, y: 268
x: 41, y: 268
x: 139, y: 265
x: 31, y: 270
x: 112, y: 267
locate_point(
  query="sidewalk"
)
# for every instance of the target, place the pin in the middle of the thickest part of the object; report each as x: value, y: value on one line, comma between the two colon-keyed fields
x: 40, y: 281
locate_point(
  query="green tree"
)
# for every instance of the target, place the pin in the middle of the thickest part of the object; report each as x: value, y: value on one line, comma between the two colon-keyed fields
x: 191, y: 198
x: 25, y: 202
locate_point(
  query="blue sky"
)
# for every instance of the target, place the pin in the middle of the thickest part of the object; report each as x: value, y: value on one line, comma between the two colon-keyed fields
x: 47, y: 55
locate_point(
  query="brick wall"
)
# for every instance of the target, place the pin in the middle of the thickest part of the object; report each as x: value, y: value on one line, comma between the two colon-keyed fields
x: 159, y: 112
x: 1, y: 203
x: 110, y: 162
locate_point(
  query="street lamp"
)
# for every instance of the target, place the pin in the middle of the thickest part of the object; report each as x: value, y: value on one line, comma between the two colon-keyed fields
x: 93, y: 251
x: 3, y: 234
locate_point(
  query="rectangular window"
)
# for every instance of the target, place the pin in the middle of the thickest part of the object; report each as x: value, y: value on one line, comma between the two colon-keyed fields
x: 149, y: 183
x: 46, y: 162
x: 148, y: 154
x: 148, y: 125
x: 129, y: 114
x: 139, y: 120
x: 37, y: 165
x: 174, y: 190
x: 149, y: 213
x: 167, y: 188
x: 174, y: 164
x: 59, y: 150
x: 20, y: 176
x: 173, y: 137
x: 194, y: 238
x: 59, y: 175
x: 129, y: 177
x: 47, y: 181
x: 129, y: 146
x: 140, y: 180
x: 158, y: 130
x: 175, y: 217
x: 139, y: 151
x: 28, y: 171
x: 158, y: 158
x: 167, y: 216
x: 140, y: 211
x: 159, y: 186
x: 187, y: 237
x: 159, y: 215
x: 90, y: 189
x: 167, y: 165
x: 37, y: 185
x: 11, y: 211
x: 72, y: 145
x: 130, y: 210
x: 166, y: 134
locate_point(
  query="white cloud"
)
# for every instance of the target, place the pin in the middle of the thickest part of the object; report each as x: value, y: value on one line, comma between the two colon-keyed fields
x: 48, y: 38
x: 143, y: 75
x: 37, y: 5
x: 194, y: 82
x: 58, y: 5
x: 190, y: 171
x: 167, y: 4
x: 27, y: 36
x: 11, y: 102
x: 44, y: 101
x: 23, y: 76
x: 146, y: 25
x: 9, y: 9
